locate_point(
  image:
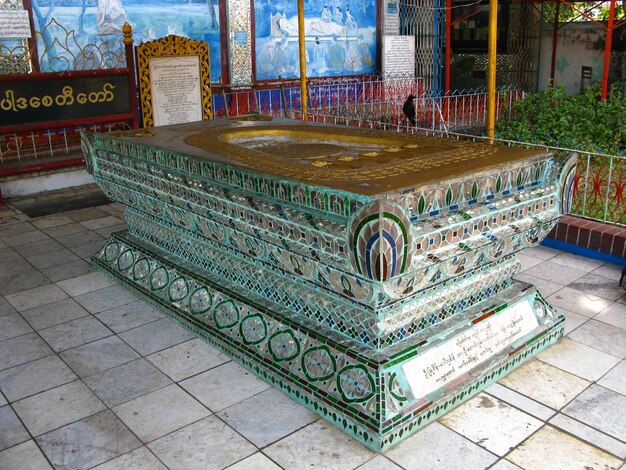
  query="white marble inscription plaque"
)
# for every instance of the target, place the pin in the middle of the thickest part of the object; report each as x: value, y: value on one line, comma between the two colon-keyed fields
x: 14, y: 24
x: 176, y: 93
x: 443, y: 363
x: 399, y: 55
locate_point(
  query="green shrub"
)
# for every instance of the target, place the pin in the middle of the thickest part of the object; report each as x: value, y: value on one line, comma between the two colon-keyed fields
x: 585, y: 122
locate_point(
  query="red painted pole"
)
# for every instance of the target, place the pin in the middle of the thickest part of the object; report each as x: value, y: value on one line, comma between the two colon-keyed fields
x: 555, y: 32
x: 607, y: 50
x: 448, y: 45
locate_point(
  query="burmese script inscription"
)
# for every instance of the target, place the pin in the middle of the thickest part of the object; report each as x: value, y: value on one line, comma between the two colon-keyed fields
x: 176, y: 96
x: 444, y: 363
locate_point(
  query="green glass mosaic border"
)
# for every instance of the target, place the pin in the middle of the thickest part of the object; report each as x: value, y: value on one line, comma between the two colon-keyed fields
x: 347, y: 389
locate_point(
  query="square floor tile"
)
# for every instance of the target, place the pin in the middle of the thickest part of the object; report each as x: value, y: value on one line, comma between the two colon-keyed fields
x: 105, y: 299
x: 609, y: 270
x: 541, y: 252
x: 578, y: 302
x: 129, y: 316
x: 12, y: 268
x: 598, y: 285
x: 578, y: 359
x: 57, y: 407
x: 275, y: 416
x: 138, y: 459
x: 155, y: 336
x: 88, y: 442
x: 12, y: 431
x: 553, y: 449
x: 54, y: 313
x: 205, y: 444
x: 51, y: 221
x: 21, y: 349
x: 602, y: 409
x: 25, y: 238
x: 546, y: 288
x: 38, y: 248
x: 319, y: 445
x: 99, y: 355
x: 491, y: 423
x: 86, y: 214
x: 436, y: 447
x: 572, y: 320
x: 106, y: 231
x: 224, y: 386
x: 74, y: 333
x: 13, y: 228
x: 53, y: 258
x: 35, y: 377
x: 32, y: 298
x: 380, y: 462
x: 79, y: 239
x: 126, y: 382
x: 101, y: 222
x: 589, y: 435
x: 88, y: 250
x: 615, y: 379
x: 85, y: 283
x: 65, y: 229
x: 22, y: 281
x: 527, y: 261
x: 551, y: 271
x: 67, y: 270
x: 521, y: 402
x: 187, y: 359
x: 258, y: 461
x: 582, y: 263
x: 614, y: 314
x: 25, y: 456
x: 12, y: 326
x: 544, y: 383
x: 607, y: 338
x: 160, y: 412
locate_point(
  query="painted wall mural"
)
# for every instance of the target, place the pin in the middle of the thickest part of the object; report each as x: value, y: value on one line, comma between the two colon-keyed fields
x: 100, y: 22
x: 340, y: 38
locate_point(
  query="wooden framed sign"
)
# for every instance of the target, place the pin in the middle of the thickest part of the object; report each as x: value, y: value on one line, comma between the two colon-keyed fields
x: 174, y: 81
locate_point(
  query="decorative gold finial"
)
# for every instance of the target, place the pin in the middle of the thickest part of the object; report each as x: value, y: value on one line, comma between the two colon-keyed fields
x: 127, y: 30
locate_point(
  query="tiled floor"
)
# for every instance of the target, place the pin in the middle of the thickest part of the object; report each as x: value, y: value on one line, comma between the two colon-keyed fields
x: 92, y: 377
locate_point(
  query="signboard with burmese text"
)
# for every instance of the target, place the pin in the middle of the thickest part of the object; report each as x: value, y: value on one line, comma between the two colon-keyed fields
x: 58, y: 97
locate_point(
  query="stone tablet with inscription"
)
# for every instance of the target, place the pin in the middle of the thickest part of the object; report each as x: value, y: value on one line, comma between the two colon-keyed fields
x: 368, y: 275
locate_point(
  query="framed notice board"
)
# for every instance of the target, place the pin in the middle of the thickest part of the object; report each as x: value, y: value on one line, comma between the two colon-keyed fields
x: 174, y: 81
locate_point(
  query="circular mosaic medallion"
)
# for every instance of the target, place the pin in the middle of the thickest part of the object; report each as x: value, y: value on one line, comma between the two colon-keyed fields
x: 226, y: 314
x: 111, y: 252
x: 284, y: 346
x: 126, y: 260
x: 253, y: 329
x: 355, y: 384
x: 318, y: 364
x: 178, y: 289
x: 141, y: 269
x: 200, y: 301
x: 159, y: 279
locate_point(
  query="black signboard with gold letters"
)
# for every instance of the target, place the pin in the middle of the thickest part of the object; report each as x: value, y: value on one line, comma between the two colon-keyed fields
x: 62, y: 97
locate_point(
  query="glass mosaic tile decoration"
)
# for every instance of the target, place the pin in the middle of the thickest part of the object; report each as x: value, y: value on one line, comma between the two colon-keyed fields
x: 369, y: 275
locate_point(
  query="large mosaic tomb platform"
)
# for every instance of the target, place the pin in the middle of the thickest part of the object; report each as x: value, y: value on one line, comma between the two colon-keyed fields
x: 369, y: 275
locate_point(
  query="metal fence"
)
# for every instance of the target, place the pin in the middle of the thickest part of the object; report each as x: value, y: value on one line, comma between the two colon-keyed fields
x: 600, y: 188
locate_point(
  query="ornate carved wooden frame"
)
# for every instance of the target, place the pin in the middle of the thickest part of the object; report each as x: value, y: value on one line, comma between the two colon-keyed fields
x: 172, y: 46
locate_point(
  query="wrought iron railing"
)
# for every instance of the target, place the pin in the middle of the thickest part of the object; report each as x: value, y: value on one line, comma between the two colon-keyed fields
x: 600, y: 185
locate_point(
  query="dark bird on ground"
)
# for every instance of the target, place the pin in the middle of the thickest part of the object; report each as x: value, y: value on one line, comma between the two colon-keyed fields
x: 408, y: 108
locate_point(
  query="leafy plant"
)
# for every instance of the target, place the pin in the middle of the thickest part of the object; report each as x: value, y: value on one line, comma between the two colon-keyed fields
x: 585, y: 122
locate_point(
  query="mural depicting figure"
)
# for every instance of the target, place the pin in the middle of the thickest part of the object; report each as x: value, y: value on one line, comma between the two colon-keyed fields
x: 340, y: 37
x: 110, y: 16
